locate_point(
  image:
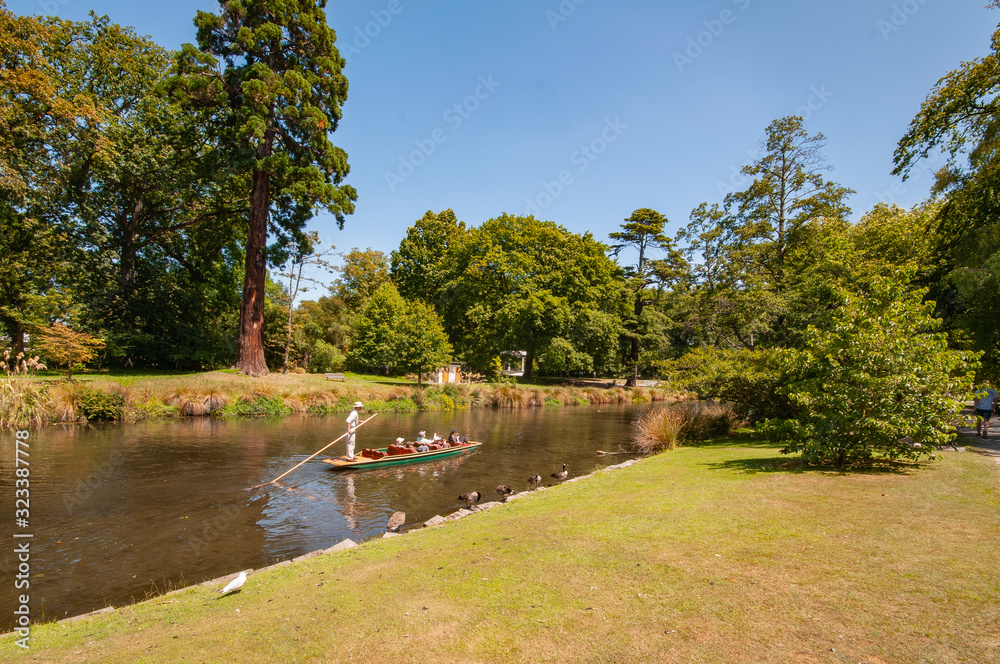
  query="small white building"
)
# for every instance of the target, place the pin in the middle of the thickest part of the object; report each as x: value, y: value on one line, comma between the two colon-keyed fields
x: 513, y: 362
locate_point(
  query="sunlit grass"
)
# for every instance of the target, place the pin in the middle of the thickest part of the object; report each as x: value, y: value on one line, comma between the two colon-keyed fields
x: 707, y: 554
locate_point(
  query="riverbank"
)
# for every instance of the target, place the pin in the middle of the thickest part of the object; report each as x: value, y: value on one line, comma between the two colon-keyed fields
x: 726, y: 552
x: 40, y: 401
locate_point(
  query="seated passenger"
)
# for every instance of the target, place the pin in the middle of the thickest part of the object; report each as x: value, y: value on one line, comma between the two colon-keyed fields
x: 453, y: 438
x: 422, y: 437
x: 423, y: 447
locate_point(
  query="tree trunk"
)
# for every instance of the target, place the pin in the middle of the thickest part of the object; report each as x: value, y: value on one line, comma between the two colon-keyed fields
x: 634, y: 349
x: 128, y: 227
x: 16, y: 330
x: 291, y: 301
x: 633, y: 378
x: 250, y: 342
x: 529, y: 361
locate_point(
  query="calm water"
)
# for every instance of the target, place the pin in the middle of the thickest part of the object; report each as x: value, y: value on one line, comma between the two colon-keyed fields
x: 118, y: 512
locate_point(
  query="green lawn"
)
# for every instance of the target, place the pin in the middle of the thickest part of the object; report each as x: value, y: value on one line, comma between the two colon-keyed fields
x: 720, y: 553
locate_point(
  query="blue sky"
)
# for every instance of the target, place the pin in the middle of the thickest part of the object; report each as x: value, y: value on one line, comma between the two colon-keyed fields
x: 581, y: 111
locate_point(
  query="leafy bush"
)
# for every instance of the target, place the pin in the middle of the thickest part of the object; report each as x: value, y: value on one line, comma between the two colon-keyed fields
x: 98, y: 406
x: 751, y: 380
x: 326, y: 358
x: 260, y: 406
x: 881, y: 382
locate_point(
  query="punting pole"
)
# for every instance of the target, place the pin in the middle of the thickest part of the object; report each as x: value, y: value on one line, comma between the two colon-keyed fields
x: 314, y: 455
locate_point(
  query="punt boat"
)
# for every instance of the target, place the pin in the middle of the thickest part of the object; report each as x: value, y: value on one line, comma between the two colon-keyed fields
x: 364, y: 463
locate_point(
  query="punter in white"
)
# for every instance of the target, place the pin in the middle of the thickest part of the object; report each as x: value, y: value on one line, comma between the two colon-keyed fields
x: 352, y: 424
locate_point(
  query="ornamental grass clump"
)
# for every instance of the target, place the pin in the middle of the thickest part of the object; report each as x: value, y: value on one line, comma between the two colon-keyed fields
x: 65, y: 402
x: 659, y: 430
x: 187, y: 404
x: 22, y: 402
x: 685, y: 423
x: 506, y: 396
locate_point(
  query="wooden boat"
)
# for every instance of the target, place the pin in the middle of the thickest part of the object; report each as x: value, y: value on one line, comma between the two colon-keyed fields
x: 363, y: 463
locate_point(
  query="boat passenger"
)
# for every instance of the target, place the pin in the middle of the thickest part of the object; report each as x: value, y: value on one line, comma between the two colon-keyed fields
x: 422, y: 438
x: 453, y: 438
x: 423, y: 447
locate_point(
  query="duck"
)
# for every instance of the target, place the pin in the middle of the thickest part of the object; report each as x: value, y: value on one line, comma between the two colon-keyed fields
x: 534, y: 481
x: 504, y: 491
x: 395, y: 521
x: 469, y: 498
x: 562, y: 474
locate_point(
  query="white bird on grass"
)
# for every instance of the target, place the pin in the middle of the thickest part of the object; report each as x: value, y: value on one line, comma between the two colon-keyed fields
x: 235, y: 585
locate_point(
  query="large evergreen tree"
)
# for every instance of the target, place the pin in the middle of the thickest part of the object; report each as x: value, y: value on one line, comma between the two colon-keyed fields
x: 272, y: 72
x: 643, y: 232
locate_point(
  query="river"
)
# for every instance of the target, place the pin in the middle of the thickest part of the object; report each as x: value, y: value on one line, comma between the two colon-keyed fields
x: 122, y: 512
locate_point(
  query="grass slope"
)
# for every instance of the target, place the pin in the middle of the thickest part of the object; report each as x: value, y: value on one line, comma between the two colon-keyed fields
x: 721, y: 553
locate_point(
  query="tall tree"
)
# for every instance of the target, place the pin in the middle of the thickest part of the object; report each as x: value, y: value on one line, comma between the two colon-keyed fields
x: 644, y: 233
x: 278, y: 91
x: 518, y: 283
x: 960, y: 121
x: 421, y: 343
x: 767, y: 229
x: 41, y: 121
x: 418, y: 266
x: 788, y: 191
x: 153, y: 224
x: 361, y: 274
x: 374, y: 338
x: 306, y: 255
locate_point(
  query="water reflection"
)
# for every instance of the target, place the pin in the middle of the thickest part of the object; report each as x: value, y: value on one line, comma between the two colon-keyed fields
x: 121, y: 511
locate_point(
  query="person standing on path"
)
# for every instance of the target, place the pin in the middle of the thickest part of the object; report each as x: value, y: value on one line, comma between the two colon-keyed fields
x: 352, y: 424
x: 985, y: 404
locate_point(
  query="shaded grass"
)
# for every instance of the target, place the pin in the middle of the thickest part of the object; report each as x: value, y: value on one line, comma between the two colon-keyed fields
x: 685, y: 557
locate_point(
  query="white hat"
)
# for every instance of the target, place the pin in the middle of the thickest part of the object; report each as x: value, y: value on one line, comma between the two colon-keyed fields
x: 358, y: 404
x: 399, y: 440
x: 422, y: 433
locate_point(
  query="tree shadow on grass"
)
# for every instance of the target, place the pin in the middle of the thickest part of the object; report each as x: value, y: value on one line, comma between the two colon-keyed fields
x: 794, y: 463
x: 798, y: 466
